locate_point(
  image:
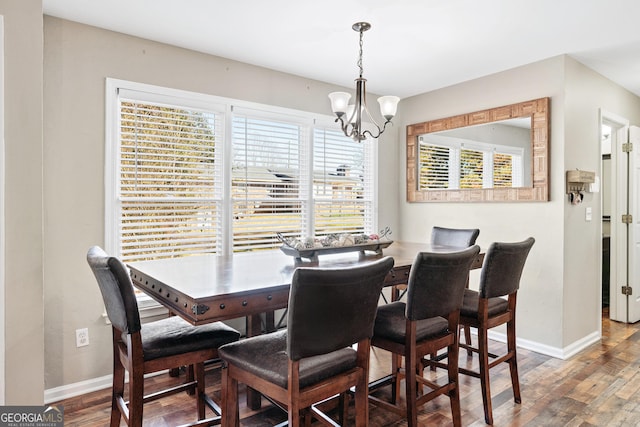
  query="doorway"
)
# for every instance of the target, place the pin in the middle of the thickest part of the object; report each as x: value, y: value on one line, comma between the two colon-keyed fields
x: 620, y: 171
x: 614, y: 204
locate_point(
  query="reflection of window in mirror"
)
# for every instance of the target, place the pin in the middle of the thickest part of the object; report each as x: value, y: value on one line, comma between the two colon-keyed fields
x: 483, y: 156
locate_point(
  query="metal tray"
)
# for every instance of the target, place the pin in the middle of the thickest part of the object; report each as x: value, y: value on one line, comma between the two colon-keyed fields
x: 312, y: 254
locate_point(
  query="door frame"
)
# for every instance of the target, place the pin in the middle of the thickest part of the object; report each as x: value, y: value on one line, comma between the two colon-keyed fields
x: 618, y: 249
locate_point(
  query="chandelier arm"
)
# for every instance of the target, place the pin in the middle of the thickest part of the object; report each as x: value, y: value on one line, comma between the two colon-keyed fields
x: 349, y: 133
x: 367, y: 131
x: 371, y: 119
x: 380, y: 130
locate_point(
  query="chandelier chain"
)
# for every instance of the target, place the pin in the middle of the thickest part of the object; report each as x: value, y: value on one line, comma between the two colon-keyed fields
x: 360, y: 55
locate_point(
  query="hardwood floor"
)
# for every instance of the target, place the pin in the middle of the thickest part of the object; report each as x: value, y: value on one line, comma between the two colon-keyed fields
x: 600, y: 386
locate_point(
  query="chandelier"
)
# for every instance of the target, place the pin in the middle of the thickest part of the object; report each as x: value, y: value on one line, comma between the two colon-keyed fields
x: 351, y: 116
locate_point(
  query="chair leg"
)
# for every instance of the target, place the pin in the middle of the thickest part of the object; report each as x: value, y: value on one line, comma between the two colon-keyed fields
x: 410, y: 368
x: 361, y: 403
x: 307, y: 418
x: 467, y: 338
x: 513, y: 361
x: 485, y: 384
x: 230, y: 407
x: 294, y: 410
x: 189, y: 376
x: 411, y: 387
x: 136, y: 397
x: 396, y: 366
x: 454, y: 395
x: 199, y: 377
x: 343, y: 408
x: 117, y: 391
x: 433, y: 357
x: 294, y: 418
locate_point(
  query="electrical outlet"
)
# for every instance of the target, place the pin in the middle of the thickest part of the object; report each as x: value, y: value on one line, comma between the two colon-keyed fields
x: 82, y: 337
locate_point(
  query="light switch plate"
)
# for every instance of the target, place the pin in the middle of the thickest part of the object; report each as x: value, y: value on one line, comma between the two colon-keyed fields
x: 587, y: 214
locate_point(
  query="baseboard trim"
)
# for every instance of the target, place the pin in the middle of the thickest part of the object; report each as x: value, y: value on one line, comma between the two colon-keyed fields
x: 555, y: 352
x: 68, y: 391
x: 57, y: 394
x: 581, y: 344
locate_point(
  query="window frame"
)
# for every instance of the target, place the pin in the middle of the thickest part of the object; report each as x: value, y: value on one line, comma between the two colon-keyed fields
x: 228, y: 107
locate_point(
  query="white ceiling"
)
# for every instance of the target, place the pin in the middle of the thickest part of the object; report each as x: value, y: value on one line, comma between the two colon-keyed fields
x: 414, y: 46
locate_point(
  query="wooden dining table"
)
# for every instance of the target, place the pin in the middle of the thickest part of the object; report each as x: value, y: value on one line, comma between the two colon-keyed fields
x: 209, y: 288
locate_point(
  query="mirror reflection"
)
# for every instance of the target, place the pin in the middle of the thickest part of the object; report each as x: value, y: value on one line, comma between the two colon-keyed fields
x: 496, y: 154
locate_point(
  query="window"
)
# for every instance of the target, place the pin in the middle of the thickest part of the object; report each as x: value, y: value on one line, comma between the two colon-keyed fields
x: 169, y: 193
x: 192, y: 174
x: 342, y: 184
x: 267, y: 181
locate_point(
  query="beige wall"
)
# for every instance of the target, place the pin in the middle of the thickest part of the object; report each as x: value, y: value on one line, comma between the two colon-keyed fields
x: 24, y: 342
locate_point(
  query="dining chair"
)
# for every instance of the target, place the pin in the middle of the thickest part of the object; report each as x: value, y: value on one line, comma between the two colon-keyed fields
x: 456, y: 237
x: 151, y: 347
x: 426, y: 323
x: 487, y: 308
x: 442, y: 236
x: 313, y: 359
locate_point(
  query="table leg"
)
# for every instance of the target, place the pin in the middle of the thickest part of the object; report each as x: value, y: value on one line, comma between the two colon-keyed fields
x: 270, y: 322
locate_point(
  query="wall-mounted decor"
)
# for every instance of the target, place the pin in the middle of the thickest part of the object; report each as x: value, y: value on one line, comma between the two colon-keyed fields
x: 577, y: 182
x: 495, y: 155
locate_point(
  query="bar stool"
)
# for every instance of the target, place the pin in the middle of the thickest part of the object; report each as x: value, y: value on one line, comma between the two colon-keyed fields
x: 152, y: 347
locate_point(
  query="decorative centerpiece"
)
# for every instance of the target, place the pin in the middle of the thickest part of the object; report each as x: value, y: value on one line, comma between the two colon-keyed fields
x: 312, y: 247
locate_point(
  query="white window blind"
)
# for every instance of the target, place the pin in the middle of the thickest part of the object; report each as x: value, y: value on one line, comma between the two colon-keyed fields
x: 502, y: 170
x: 342, y: 184
x: 190, y: 173
x: 471, y: 168
x: 434, y: 167
x: 169, y: 180
x: 266, y: 181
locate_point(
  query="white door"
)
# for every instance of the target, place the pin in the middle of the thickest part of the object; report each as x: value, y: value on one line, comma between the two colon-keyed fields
x: 625, y: 226
x: 619, y: 237
x: 633, y: 289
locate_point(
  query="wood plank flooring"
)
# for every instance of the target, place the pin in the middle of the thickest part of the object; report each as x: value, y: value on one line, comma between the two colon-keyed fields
x: 600, y: 386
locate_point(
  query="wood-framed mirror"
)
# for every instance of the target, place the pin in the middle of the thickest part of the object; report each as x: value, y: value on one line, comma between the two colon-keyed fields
x: 495, y: 155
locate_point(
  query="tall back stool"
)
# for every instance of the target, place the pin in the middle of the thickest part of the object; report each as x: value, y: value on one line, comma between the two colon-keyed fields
x: 313, y: 359
x: 426, y: 323
x: 156, y: 346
